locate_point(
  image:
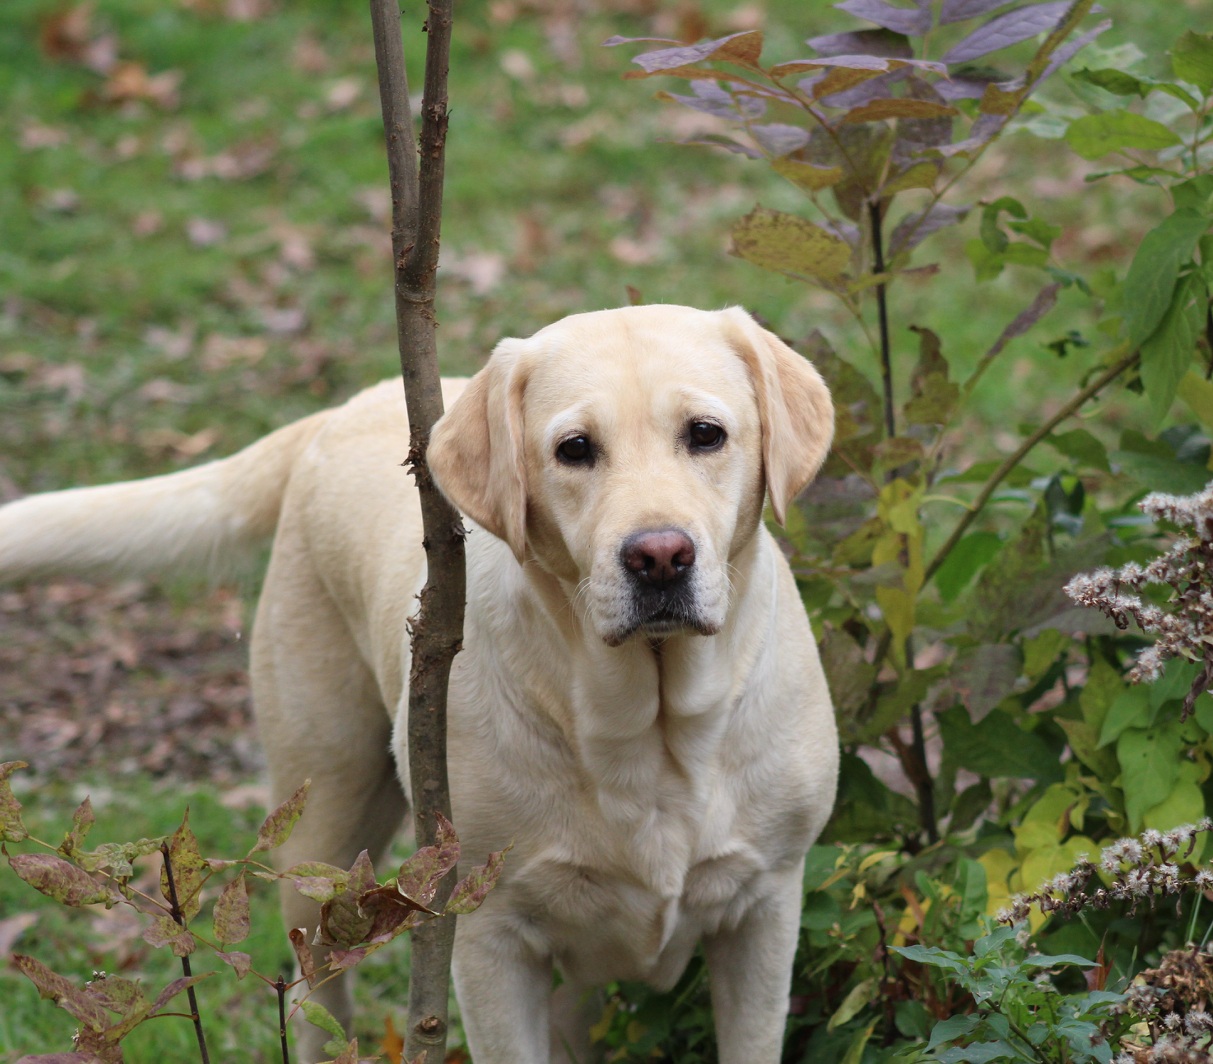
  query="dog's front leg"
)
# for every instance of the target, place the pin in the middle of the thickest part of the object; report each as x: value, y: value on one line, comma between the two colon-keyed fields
x: 750, y: 972
x: 503, y: 989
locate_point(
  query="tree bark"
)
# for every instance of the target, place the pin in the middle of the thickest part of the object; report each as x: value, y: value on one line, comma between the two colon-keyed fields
x: 437, y: 631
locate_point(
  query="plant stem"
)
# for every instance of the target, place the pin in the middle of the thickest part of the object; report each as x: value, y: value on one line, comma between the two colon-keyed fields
x: 1012, y: 460
x: 882, y: 314
x: 438, y: 628
x: 280, y: 987
x: 179, y: 917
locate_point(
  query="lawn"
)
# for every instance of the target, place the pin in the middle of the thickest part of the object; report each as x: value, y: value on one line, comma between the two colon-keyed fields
x: 194, y: 249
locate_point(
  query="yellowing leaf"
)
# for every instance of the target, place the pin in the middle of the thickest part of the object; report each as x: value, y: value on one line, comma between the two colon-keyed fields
x: 787, y: 243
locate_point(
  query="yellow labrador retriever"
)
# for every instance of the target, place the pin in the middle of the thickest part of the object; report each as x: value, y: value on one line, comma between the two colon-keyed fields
x: 638, y: 706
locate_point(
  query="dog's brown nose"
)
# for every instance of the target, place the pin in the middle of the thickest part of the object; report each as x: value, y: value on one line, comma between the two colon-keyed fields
x: 659, y: 559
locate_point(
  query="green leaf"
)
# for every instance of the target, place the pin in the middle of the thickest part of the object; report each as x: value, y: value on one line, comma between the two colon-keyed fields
x: 11, y: 827
x: 1184, y: 805
x: 858, y: 998
x: 318, y: 1016
x: 1117, y: 82
x: 965, y: 561
x: 1149, y: 767
x: 787, y: 243
x: 278, y: 825
x: 1167, y: 354
x: 1079, y: 445
x: 997, y: 747
x: 1150, y: 285
x: 1093, y: 136
x: 1129, y: 709
x: 1192, y: 60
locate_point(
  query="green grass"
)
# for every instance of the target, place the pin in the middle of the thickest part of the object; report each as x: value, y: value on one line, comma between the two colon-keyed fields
x: 127, y: 348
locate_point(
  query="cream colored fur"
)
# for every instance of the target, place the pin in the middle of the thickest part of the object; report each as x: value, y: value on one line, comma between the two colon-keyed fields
x: 660, y: 780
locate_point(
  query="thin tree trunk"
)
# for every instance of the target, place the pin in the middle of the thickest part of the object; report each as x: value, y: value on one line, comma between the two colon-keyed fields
x: 437, y: 632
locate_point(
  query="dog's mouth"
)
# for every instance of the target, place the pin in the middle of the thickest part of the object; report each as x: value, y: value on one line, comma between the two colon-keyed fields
x: 661, y: 622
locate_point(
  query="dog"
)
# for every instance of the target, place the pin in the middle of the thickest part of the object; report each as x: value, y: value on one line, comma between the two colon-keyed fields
x: 639, y: 705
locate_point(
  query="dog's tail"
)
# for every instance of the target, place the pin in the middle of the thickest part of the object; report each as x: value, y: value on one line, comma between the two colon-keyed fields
x: 207, y: 519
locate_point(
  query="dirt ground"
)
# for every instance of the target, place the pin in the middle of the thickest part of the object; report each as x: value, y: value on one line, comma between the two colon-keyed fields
x: 125, y: 677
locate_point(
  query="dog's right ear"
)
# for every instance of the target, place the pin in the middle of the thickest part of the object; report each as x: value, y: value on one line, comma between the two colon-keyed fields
x: 476, y: 453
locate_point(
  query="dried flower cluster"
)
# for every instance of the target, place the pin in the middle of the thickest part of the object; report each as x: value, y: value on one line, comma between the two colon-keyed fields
x: 1171, y: 1003
x: 1185, y: 628
x: 1139, y: 869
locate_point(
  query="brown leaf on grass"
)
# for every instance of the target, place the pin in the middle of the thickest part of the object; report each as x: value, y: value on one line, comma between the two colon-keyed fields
x: 130, y: 82
x: 204, y: 232
x: 219, y: 351
x: 241, y: 161
x: 69, y: 36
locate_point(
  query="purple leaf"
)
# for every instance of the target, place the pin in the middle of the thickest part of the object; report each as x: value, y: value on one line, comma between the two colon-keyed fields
x: 240, y: 963
x: 1007, y: 29
x: 959, y: 10
x: 914, y: 228
x: 863, y: 42
x: 716, y: 140
x: 611, y: 42
x: 910, y: 21
x: 744, y: 48
x: 419, y: 875
x: 776, y: 139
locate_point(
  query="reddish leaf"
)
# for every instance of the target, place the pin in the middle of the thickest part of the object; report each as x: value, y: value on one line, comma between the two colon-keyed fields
x: 878, y: 110
x: 342, y: 922
x: 862, y: 42
x: 1007, y: 29
x: 277, y: 827
x: 188, y: 868
x: 117, y: 994
x: 231, y: 916
x: 165, y: 931
x: 391, y: 911
x: 11, y: 828
x: 863, y: 64
x: 174, y: 988
x: 341, y: 959
x: 240, y: 963
x: 743, y: 48
x: 63, y: 993
x: 914, y: 228
x: 470, y: 891
x: 64, y: 882
x: 303, y: 952
x: 911, y: 21
x: 420, y: 875
x: 349, y: 1055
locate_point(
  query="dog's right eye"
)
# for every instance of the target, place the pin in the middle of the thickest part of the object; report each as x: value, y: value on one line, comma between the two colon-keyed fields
x: 576, y: 450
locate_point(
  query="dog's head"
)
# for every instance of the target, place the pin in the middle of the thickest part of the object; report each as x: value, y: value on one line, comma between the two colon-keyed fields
x: 627, y: 451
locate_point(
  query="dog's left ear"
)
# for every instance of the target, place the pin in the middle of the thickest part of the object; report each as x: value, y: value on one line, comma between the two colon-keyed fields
x: 794, y: 405
x: 476, y: 453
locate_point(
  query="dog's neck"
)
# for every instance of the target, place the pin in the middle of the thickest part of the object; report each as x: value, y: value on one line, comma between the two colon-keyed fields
x: 645, y: 720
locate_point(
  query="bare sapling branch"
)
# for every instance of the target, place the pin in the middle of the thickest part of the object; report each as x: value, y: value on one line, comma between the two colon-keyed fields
x: 177, y: 914
x: 437, y: 631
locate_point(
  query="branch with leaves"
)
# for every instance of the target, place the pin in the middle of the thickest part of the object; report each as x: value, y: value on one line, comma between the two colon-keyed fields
x: 359, y: 915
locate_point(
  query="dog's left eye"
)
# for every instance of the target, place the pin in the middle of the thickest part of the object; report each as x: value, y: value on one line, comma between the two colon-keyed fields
x: 704, y: 436
x: 576, y: 450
